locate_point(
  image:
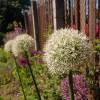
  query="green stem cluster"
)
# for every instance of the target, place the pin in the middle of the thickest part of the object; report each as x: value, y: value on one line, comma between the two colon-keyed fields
x: 33, y: 77
x: 17, y: 70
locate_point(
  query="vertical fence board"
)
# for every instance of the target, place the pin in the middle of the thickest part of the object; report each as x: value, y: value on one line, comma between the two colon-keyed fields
x: 99, y: 23
x: 77, y: 13
x: 92, y: 19
x: 71, y: 11
x: 82, y: 15
x: 99, y: 17
x: 69, y: 16
x: 36, y: 24
x: 92, y: 24
x: 65, y: 15
x: 54, y: 15
x: 50, y: 13
x: 29, y: 23
x: 60, y: 14
x: 42, y: 22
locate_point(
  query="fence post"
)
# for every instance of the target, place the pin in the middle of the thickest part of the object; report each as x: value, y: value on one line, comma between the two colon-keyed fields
x: 99, y: 33
x: 33, y: 23
x: 77, y: 14
x: 50, y: 13
x: 36, y: 25
x: 92, y: 25
x: 71, y: 11
x: 92, y: 19
x: 99, y: 23
x: 42, y: 22
x: 54, y: 15
x: 82, y: 15
x: 60, y: 17
x: 65, y: 7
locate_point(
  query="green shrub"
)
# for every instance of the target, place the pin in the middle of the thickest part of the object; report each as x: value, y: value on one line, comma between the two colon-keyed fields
x: 1, y: 98
x: 4, y: 56
x: 49, y: 85
x: 5, y: 67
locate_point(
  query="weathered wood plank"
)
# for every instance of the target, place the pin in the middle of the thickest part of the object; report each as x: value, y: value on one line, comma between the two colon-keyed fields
x: 92, y: 19
x: 65, y: 15
x: 36, y: 25
x: 92, y: 25
x: 82, y: 15
x: 42, y: 22
x: 54, y: 15
x: 77, y: 14
x: 71, y: 11
x: 60, y: 14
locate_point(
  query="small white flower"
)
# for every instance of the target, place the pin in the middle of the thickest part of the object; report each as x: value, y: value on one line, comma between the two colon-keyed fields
x: 22, y: 43
x: 66, y: 49
x: 8, y: 46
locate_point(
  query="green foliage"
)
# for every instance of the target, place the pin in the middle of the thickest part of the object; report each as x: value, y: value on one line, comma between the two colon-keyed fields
x: 11, y: 10
x: 5, y: 68
x: 1, y: 98
x: 49, y: 85
x: 97, y: 46
x: 4, y: 56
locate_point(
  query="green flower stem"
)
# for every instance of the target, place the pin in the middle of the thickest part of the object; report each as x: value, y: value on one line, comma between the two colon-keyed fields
x: 17, y: 70
x: 71, y: 85
x: 33, y: 77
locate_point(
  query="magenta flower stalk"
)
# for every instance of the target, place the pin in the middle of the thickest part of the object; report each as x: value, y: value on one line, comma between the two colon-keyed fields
x: 64, y: 88
x: 79, y: 86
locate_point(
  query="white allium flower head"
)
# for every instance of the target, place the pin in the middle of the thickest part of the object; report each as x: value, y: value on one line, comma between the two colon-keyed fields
x: 67, y: 49
x: 22, y: 43
x: 8, y: 46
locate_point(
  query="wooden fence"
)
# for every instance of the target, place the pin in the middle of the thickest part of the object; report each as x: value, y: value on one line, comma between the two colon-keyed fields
x: 83, y: 15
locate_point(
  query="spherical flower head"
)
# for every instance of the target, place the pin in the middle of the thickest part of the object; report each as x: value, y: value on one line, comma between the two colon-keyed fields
x: 8, y: 46
x: 22, y: 43
x: 67, y: 49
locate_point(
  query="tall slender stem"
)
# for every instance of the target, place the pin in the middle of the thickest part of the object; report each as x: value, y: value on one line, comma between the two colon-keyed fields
x: 17, y: 70
x: 71, y: 84
x: 33, y: 77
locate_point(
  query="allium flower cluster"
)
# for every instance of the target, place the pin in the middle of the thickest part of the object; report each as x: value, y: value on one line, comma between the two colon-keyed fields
x: 22, y: 43
x: 65, y: 50
x: 8, y: 46
x: 79, y: 85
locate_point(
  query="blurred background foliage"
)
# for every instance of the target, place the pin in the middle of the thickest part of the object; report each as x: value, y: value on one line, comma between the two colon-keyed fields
x: 11, y: 10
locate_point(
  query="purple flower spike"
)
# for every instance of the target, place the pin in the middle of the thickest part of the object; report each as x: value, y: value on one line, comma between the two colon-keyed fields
x: 79, y: 85
x: 64, y: 88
